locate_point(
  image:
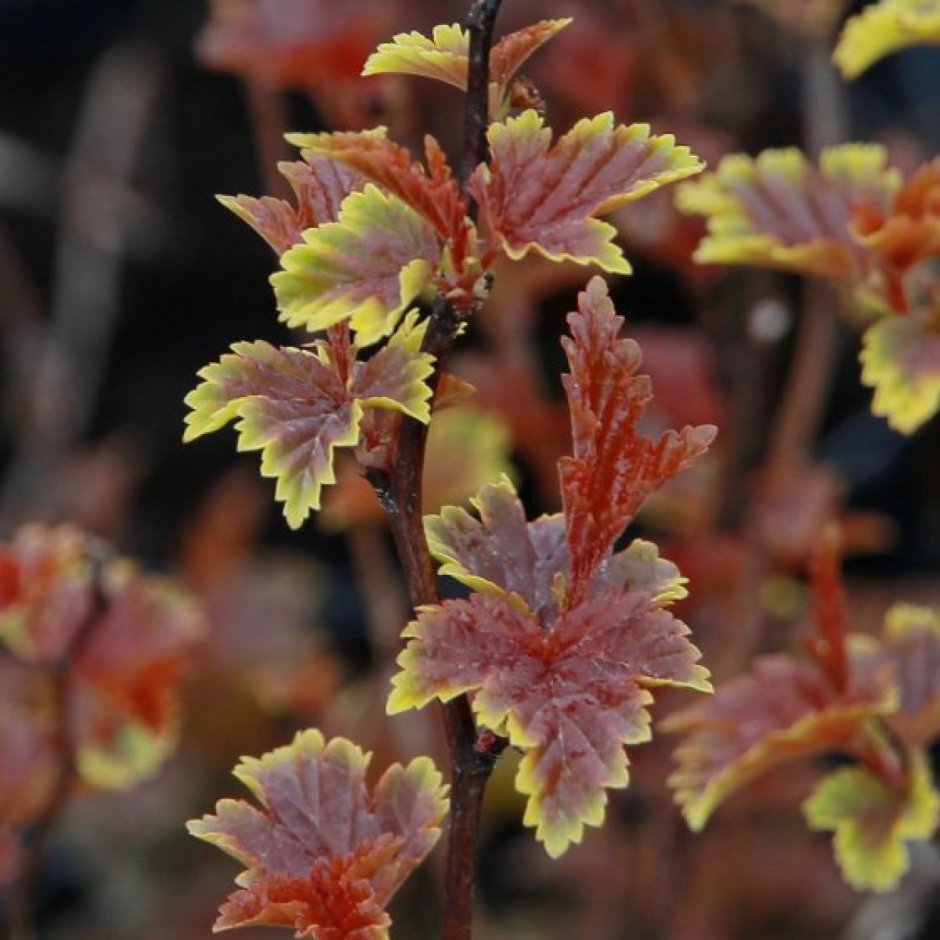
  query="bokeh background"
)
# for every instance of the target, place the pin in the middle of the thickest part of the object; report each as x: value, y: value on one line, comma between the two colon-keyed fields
x: 120, y: 276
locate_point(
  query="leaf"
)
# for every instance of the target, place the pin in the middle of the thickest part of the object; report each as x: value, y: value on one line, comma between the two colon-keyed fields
x: 509, y: 54
x: 901, y: 360
x: 320, y: 186
x: 445, y: 55
x: 781, y: 710
x: 502, y: 554
x: 569, y: 693
x: 433, y: 192
x: 543, y: 198
x: 612, y: 470
x: 125, y: 689
x: 778, y: 211
x: 907, y: 234
x: 883, y: 28
x: 123, y: 637
x: 564, y: 674
x: 290, y: 44
x: 497, y: 553
x: 912, y: 641
x: 323, y: 855
x: 289, y: 405
x: 872, y: 821
x: 45, y: 591
x: 296, y: 407
x: 366, y: 268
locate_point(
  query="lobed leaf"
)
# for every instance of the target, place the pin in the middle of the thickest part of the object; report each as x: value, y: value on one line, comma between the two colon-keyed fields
x: 46, y: 591
x: 320, y: 185
x: 543, y: 198
x: 883, y: 28
x: 901, y: 360
x: 125, y: 690
x: 569, y: 693
x: 501, y: 553
x: 778, y: 211
x: 297, y: 406
x: 781, y: 710
x: 124, y: 637
x: 872, y: 821
x: 612, y: 469
x: 287, y: 404
x: 366, y: 268
x: 912, y: 642
x: 288, y: 44
x: 445, y: 55
x: 908, y: 234
x: 323, y: 855
x: 432, y: 192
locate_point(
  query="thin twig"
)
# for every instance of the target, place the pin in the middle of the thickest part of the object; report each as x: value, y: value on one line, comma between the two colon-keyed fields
x: 472, y: 758
x: 479, y: 23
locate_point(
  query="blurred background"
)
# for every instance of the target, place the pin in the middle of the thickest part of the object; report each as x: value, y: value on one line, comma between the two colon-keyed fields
x: 121, y: 276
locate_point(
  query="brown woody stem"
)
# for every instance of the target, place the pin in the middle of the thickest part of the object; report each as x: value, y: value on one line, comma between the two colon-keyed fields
x: 479, y: 23
x: 471, y: 757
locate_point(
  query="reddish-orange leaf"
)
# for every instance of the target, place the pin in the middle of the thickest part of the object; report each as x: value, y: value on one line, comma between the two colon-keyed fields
x: 324, y: 855
x: 905, y: 234
x: 612, y: 469
x: 46, y: 590
x: 827, y: 645
x: 432, y: 192
x: 288, y: 43
x: 125, y: 691
x: 123, y: 636
x: 509, y: 54
x: 320, y: 186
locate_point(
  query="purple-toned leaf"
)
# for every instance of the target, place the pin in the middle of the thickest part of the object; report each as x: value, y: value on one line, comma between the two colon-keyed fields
x: 323, y: 855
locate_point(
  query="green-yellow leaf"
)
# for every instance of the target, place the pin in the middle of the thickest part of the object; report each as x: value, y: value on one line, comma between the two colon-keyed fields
x: 366, y: 267
x: 873, y: 822
x: 296, y: 405
x: 901, y: 360
x: 883, y: 28
x: 776, y: 210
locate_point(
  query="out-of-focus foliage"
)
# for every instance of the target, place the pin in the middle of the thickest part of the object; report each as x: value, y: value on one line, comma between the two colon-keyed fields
x: 855, y: 222
x: 95, y: 650
x: 885, y: 27
x: 855, y: 695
